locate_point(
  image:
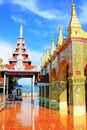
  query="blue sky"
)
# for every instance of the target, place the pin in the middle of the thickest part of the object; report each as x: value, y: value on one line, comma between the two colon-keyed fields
x: 41, y: 19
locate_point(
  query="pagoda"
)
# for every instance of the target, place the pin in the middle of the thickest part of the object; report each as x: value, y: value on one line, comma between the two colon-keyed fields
x: 20, y: 60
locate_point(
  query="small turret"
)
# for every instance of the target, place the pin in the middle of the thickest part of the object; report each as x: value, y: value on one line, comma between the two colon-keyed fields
x: 47, y: 55
x: 52, y: 48
x: 60, y: 38
x: 75, y: 28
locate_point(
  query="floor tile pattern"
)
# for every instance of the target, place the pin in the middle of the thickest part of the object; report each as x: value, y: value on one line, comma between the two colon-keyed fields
x: 22, y: 115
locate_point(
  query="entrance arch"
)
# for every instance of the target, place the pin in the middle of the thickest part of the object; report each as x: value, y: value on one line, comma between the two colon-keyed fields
x: 20, y: 74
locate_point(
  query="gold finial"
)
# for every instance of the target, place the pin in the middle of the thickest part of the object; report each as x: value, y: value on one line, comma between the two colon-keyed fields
x: 43, y: 60
x: 52, y: 47
x: 60, y: 38
x: 47, y: 55
x: 73, y: 9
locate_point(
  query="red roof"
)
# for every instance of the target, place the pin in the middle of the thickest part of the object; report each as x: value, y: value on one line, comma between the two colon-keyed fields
x: 14, y: 57
x: 10, y: 66
x: 27, y: 67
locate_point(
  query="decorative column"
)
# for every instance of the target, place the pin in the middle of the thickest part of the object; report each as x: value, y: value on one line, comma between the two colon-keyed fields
x: 77, y: 96
x: 47, y: 96
x: 58, y: 93
x: 43, y: 96
x: 42, y: 92
x: 53, y: 95
x: 77, y: 82
x: 62, y: 97
x: 4, y: 87
x: 7, y: 88
x: 39, y: 95
x: 32, y: 89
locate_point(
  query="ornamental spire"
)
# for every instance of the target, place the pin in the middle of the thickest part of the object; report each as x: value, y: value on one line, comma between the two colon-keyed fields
x: 52, y: 48
x: 73, y: 9
x: 21, y: 30
x: 60, y: 38
x: 74, y: 25
x: 47, y: 55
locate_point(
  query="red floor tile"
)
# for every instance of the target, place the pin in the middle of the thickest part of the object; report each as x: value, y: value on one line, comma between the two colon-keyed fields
x: 23, y: 116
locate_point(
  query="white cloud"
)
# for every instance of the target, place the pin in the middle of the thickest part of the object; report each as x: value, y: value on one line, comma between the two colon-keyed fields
x: 5, y: 51
x: 17, y: 19
x: 31, y: 5
x: 1, y: 1
x: 83, y: 12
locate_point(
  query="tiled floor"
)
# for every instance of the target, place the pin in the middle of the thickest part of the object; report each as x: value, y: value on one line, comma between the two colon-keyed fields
x: 24, y: 116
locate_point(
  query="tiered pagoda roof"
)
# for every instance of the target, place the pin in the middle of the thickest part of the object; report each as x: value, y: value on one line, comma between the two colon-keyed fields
x: 20, y: 60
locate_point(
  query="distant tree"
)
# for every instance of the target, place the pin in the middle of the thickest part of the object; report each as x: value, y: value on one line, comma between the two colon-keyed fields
x: 12, y: 82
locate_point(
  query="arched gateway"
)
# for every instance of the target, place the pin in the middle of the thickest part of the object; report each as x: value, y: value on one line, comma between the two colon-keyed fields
x: 20, y: 64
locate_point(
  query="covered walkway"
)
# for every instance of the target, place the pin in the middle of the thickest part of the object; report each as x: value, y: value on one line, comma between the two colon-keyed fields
x: 22, y: 115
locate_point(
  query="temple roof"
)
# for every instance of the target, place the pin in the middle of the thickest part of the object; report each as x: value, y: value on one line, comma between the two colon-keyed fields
x: 20, y: 60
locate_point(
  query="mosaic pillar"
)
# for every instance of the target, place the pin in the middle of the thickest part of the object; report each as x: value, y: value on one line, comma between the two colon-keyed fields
x: 39, y: 95
x: 47, y: 97
x: 53, y: 95
x: 77, y: 96
x: 77, y: 81
x: 4, y: 88
x: 58, y: 93
x: 62, y: 97
x: 42, y: 96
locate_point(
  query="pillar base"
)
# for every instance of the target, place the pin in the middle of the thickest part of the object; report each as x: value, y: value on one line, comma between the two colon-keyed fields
x: 2, y: 106
x: 77, y: 110
x: 47, y: 102
x: 52, y: 104
x: 63, y: 107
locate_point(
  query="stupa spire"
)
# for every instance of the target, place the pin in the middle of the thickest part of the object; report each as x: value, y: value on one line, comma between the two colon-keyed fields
x: 47, y: 55
x: 74, y: 28
x: 52, y: 48
x: 60, y: 38
x: 73, y: 9
x: 21, y: 30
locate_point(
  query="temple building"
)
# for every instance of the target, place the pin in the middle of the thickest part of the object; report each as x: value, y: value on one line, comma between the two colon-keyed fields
x: 19, y: 66
x: 65, y: 67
